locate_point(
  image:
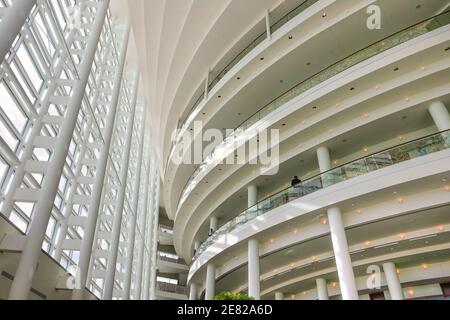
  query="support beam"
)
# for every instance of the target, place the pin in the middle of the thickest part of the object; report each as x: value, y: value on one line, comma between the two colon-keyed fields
x: 213, y: 223
x: 21, y: 285
x: 440, y: 115
x: 393, y: 282
x: 193, y: 291
x: 134, y: 214
x: 323, y: 156
x: 143, y: 224
x: 210, y: 282
x: 11, y: 24
x: 114, y: 246
x: 252, y: 195
x: 253, y: 269
x: 268, y: 31
x: 94, y: 205
x: 342, y: 255
x: 322, y: 290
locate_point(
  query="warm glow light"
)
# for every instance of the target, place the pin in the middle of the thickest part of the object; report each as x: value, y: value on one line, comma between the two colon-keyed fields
x: 400, y: 200
x: 447, y: 188
x: 400, y: 137
x: 377, y: 86
x: 441, y: 228
x: 293, y: 296
x: 398, y: 271
x: 313, y: 258
x: 424, y: 266
x: 334, y: 284
x: 292, y: 265
x: 411, y: 292
x: 367, y: 243
x: 296, y: 231
x: 366, y: 149
x: 402, y: 236
x: 272, y: 241
x: 365, y: 115
x: 359, y: 211
x: 423, y: 68
x: 407, y: 99
x: 324, y: 221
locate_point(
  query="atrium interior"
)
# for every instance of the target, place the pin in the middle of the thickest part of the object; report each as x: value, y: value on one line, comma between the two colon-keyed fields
x: 186, y: 150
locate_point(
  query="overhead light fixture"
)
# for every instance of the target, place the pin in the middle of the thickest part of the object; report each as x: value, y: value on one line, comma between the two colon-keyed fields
x: 324, y: 14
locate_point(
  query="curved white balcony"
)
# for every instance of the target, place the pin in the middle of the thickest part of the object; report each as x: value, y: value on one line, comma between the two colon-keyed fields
x: 258, y: 120
x: 372, y: 170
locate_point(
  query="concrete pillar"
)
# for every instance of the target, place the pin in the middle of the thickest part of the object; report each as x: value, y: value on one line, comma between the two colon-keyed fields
x: 322, y: 290
x: 440, y: 115
x: 193, y: 291
x: 323, y: 156
x: 253, y: 269
x: 213, y: 223
x: 393, y: 282
x: 102, y: 162
x: 279, y: 296
x: 21, y: 285
x: 11, y: 24
x: 252, y: 195
x: 341, y: 253
x: 210, y: 283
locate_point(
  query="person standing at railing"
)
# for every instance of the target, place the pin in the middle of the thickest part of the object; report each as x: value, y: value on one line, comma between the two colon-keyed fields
x: 296, y: 182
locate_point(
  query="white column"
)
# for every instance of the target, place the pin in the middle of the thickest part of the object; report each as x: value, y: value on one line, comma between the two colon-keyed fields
x: 94, y: 205
x: 196, y: 244
x: 342, y: 255
x: 210, y: 285
x: 149, y: 240
x: 440, y: 115
x: 393, y: 282
x: 193, y: 291
x: 323, y: 156
x: 154, y: 267
x: 279, y: 296
x: 12, y: 23
x: 322, y: 290
x: 252, y: 195
x: 118, y: 213
x: 268, y: 31
x: 213, y: 222
x: 143, y: 224
x: 21, y: 285
x: 253, y: 269
x: 134, y: 214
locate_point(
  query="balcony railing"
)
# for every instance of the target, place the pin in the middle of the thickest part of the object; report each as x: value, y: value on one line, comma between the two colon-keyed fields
x: 171, y: 259
x: 172, y: 288
x: 378, y: 47
x: 407, y: 151
x: 277, y: 25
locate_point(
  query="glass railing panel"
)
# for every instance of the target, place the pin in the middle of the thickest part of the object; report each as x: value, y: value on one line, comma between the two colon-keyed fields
x: 408, y: 151
x: 362, y: 55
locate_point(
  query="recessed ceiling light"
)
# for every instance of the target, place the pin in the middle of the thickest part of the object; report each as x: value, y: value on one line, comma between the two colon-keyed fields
x: 290, y: 37
x: 284, y: 124
x: 344, y: 141
x: 447, y: 49
x: 352, y: 88
x: 404, y: 117
x: 239, y: 78
x: 418, y: 6
x: 315, y: 107
x: 281, y: 81
x: 324, y: 14
x: 219, y: 97
x: 308, y: 64
x: 396, y: 69
x: 262, y: 58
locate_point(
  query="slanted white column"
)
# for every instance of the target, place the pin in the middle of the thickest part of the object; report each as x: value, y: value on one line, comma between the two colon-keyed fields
x: 154, y: 267
x: 206, y: 85
x: 393, y: 282
x: 149, y: 240
x: 279, y: 296
x: 253, y: 269
x: 118, y: 213
x: 440, y: 115
x: 142, y: 225
x: 11, y: 24
x: 21, y: 285
x: 210, y: 283
x: 193, y: 291
x: 133, y: 220
x: 322, y: 290
x: 252, y: 195
x: 341, y: 253
x: 102, y: 162
x: 213, y: 222
x: 323, y: 156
